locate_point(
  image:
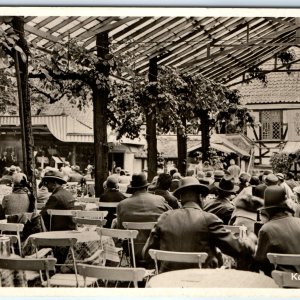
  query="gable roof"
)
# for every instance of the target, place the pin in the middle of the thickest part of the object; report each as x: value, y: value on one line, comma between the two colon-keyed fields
x: 281, y: 88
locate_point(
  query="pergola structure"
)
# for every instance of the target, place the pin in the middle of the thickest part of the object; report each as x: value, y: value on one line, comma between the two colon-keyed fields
x: 220, y: 48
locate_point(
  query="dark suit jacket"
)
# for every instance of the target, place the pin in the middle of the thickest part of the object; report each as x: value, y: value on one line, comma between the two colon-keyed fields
x: 172, y: 200
x: 279, y: 235
x: 111, y: 196
x: 191, y: 229
x: 60, y: 199
x: 221, y: 207
x: 141, y: 207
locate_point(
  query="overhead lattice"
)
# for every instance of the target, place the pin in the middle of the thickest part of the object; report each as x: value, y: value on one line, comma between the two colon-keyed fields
x: 221, y: 48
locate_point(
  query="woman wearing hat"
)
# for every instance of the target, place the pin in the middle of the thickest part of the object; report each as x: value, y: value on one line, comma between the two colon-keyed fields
x: 222, y: 206
x: 190, y: 229
x: 281, y: 232
x: 60, y: 199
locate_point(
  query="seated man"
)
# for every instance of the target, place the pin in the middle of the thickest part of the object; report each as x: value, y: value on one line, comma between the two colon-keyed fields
x: 111, y: 194
x: 162, y: 189
x: 142, y: 206
x: 280, y: 234
x: 222, y: 206
x: 191, y: 229
x: 60, y: 199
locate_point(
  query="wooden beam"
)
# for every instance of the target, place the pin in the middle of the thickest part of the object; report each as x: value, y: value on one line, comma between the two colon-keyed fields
x: 108, y: 27
x: 240, y: 46
x: 41, y: 34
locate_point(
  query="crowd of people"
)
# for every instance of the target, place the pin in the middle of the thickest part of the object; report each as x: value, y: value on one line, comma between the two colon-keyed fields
x: 190, y: 211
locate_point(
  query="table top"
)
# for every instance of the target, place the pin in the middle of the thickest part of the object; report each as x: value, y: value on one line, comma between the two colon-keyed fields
x: 81, y: 236
x: 209, y: 278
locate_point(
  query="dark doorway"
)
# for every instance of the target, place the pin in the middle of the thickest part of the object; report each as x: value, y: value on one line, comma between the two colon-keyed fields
x: 118, y: 158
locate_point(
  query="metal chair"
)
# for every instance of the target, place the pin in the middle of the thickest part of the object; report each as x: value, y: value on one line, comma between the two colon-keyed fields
x: 59, y: 279
x: 87, y: 221
x: 90, y: 214
x: 282, y: 278
x: 187, y: 257
x: 25, y: 264
x: 13, y: 227
x: 112, y: 273
x: 139, y: 225
x: 60, y: 212
x: 123, y: 234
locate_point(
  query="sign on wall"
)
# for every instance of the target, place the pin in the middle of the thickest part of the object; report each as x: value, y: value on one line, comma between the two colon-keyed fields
x: 293, y: 117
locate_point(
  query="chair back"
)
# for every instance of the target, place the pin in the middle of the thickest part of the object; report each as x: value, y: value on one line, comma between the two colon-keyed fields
x: 90, y: 214
x: 139, y: 225
x: 25, y: 264
x: 87, y: 221
x: 60, y: 212
x: 112, y: 273
x: 88, y: 200
x: 13, y: 227
x: 187, y: 257
x: 130, y: 235
x: 284, y: 259
x: 108, y: 204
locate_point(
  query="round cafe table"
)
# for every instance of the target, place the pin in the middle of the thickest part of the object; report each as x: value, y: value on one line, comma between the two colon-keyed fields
x: 88, y: 243
x: 211, y: 278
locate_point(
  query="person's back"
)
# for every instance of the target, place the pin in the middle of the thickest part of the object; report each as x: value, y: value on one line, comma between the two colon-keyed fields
x: 18, y: 201
x: 142, y: 206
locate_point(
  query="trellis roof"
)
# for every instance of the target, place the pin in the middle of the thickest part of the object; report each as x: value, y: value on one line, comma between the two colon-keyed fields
x: 221, y: 48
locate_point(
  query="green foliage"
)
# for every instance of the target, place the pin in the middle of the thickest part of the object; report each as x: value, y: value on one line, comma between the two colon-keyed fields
x: 281, y: 162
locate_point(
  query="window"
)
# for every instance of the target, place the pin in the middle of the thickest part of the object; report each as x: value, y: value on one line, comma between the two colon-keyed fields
x: 271, y: 121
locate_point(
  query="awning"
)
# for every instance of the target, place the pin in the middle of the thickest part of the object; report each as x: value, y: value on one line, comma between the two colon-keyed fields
x: 291, y: 147
x: 220, y: 147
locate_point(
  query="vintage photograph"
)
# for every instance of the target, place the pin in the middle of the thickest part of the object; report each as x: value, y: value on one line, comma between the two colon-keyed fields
x: 150, y: 151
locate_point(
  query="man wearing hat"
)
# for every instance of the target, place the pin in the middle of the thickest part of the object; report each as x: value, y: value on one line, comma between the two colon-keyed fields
x: 75, y: 175
x: 222, y: 206
x: 269, y: 180
x: 281, y: 232
x: 111, y: 194
x: 190, y: 229
x: 60, y: 199
x: 282, y: 183
x: 142, y: 206
x: 218, y: 175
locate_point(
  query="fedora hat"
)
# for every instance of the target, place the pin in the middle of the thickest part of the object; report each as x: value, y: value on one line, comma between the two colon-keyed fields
x: 275, y: 196
x: 54, y: 175
x: 191, y: 183
x: 138, y: 181
x: 226, y: 184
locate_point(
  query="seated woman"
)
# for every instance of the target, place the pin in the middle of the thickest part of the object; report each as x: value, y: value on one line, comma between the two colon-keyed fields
x: 18, y: 201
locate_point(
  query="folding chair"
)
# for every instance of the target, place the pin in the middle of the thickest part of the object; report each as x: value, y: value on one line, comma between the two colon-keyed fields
x: 108, y: 204
x: 90, y: 214
x: 60, y: 212
x: 112, y: 273
x: 59, y: 279
x: 282, y: 278
x: 121, y: 234
x: 13, y: 227
x: 87, y: 221
x: 139, y: 225
x: 25, y: 264
x: 187, y: 257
